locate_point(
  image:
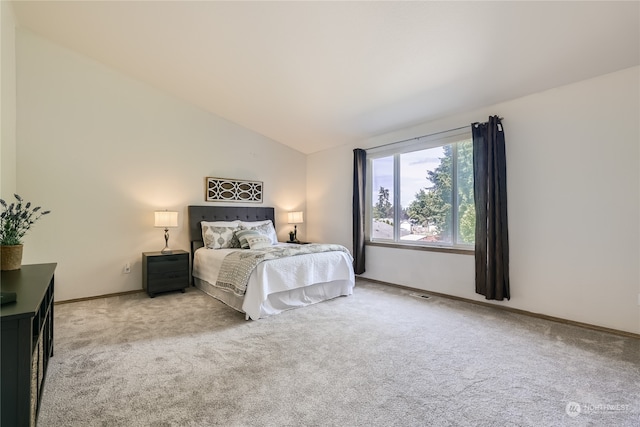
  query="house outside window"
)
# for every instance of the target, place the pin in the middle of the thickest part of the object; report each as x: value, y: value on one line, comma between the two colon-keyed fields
x: 422, y: 191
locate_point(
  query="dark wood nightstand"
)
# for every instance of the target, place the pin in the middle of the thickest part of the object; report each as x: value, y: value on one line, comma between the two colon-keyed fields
x: 299, y: 243
x: 162, y: 273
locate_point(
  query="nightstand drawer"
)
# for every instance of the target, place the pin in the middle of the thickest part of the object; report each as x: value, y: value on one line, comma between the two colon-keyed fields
x: 167, y: 263
x: 175, y: 274
x: 168, y: 283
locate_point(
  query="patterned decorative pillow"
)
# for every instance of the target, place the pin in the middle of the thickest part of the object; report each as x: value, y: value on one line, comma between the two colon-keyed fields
x: 234, y: 243
x: 265, y: 227
x: 259, y: 242
x: 242, y: 235
x: 216, y: 237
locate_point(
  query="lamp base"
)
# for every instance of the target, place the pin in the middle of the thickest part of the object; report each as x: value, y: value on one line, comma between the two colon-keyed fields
x: 167, y: 250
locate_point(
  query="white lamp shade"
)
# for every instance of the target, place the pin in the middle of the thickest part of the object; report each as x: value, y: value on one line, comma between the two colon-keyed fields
x: 166, y: 219
x: 295, y: 218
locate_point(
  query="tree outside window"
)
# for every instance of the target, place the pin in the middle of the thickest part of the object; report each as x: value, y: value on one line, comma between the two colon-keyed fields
x: 435, y: 192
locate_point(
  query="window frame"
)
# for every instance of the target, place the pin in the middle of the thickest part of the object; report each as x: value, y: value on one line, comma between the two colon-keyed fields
x: 396, y: 149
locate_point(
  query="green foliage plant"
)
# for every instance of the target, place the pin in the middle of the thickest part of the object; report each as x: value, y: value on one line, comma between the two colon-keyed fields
x: 468, y: 224
x: 432, y: 206
x: 16, y: 219
x: 384, y: 208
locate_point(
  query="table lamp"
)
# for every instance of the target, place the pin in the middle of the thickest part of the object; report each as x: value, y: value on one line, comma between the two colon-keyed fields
x: 295, y: 218
x: 166, y: 220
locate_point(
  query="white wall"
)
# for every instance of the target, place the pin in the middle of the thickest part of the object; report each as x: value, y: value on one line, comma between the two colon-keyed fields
x: 7, y: 101
x: 103, y: 151
x: 573, y: 163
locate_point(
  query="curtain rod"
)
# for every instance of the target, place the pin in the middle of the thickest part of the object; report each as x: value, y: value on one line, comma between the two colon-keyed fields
x: 425, y: 136
x: 419, y: 137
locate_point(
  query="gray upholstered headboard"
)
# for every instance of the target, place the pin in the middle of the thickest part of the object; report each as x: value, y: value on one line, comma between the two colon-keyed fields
x: 222, y: 213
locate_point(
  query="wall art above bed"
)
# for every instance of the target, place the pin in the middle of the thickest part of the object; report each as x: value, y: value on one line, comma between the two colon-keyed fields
x: 232, y: 190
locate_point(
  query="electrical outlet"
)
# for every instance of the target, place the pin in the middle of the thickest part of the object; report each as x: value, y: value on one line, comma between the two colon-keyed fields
x: 127, y: 268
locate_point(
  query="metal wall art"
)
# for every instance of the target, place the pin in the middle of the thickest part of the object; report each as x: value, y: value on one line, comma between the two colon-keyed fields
x: 232, y: 190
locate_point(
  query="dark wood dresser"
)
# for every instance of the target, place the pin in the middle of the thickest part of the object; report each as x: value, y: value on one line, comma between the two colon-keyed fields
x: 27, y: 341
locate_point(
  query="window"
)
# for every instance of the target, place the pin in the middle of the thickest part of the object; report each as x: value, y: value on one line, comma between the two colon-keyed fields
x: 422, y: 191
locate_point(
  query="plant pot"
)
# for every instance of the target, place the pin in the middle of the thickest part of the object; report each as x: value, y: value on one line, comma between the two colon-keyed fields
x: 11, y: 258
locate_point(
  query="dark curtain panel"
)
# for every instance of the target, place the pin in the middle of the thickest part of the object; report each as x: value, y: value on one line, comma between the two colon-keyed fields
x: 490, y: 190
x: 359, y: 175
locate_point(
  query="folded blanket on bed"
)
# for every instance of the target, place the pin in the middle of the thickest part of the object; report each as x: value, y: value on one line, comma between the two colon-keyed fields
x: 237, y: 266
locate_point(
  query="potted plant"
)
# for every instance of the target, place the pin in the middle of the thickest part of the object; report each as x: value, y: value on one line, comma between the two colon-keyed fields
x: 15, y: 220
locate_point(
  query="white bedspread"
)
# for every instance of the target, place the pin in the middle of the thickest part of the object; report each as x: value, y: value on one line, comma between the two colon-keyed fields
x: 280, y: 275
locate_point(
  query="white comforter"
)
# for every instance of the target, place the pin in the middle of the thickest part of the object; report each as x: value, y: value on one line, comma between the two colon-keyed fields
x: 280, y: 275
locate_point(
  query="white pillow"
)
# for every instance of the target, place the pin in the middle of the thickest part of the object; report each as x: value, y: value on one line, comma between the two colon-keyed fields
x: 217, y: 237
x: 259, y: 241
x: 262, y: 227
x: 249, y: 224
x: 234, y: 223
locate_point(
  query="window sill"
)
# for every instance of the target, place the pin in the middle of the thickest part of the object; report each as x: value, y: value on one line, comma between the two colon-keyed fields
x: 447, y: 250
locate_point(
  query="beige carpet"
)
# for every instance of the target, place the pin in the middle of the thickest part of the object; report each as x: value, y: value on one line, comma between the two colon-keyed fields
x: 380, y: 357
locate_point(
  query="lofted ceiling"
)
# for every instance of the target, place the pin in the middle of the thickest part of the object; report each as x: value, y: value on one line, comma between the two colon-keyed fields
x: 314, y: 75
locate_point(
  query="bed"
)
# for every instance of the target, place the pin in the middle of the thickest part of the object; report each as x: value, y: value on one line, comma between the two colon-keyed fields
x: 281, y: 282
